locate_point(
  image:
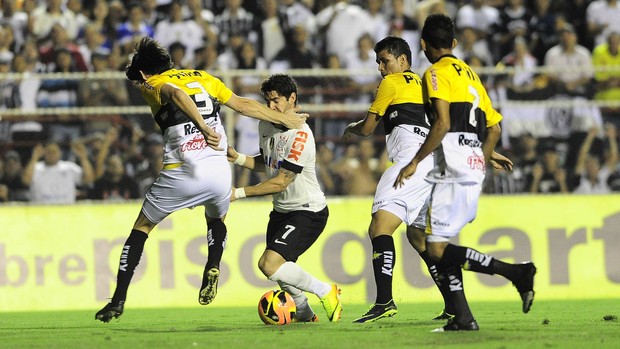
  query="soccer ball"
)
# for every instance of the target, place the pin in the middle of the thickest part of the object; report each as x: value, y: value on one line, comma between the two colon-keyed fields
x: 276, y: 307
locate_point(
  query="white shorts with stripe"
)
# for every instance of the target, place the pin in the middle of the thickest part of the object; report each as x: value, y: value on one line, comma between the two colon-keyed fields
x: 451, y: 207
x: 409, y: 202
x: 206, y: 183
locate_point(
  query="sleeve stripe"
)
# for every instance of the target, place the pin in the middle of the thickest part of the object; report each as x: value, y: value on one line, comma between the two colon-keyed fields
x: 287, y: 165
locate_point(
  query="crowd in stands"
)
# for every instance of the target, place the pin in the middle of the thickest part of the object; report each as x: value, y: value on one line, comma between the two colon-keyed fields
x: 557, y: 149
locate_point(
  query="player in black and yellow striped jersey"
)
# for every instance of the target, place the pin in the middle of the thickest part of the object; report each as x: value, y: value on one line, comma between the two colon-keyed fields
x: 464, y: 132
x: 398, y: 104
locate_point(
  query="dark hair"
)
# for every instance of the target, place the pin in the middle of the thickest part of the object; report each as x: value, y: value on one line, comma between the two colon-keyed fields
x: 283, y: 84
x: 438, y: 31
x: 395, y: 46
x: 150, y: 57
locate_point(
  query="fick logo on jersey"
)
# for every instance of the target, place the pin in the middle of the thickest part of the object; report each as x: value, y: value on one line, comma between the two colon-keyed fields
x: 195, y: 143
x: 298, y: 145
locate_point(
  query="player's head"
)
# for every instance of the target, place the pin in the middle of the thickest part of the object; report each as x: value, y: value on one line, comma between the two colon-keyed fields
x: 437, y: 36
x: 150, y: 58
x: 280, y: 92
x: 393, y: 55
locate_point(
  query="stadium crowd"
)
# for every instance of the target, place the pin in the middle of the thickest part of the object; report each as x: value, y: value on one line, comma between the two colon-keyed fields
x: 113, y: 157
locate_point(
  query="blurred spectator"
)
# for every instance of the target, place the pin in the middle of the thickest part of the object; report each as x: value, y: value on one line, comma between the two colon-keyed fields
x: 11, y: 177
x: 271, y: 32
x: 60, y: 92
x: 406, y: 27
x: 81, y: 19
x: 135, y: 27
x: 147, y: 171
x: 607, y: 55
x: 229, y: 57
x: 590, y: 175
x: 548, y: 176
x: 59, y: 41
x: 204, y: 18
x: 602, y: 18
x: 55, y: 181
x: 524, y: 64
x: 326, y: 174
x: 7, y: 41
x: 151, y: 15
x: 236, y: 21
x: 114, y: 184
x: 478, y: 15
x: 338, y: 18
x: 572, y: 61
x: 177, y: 29
x: 177, y: 54
x: 297, y: 54
x: 94, y: 40
x: 205, y: 58
x: 51, y: 13
x: 363, y: 70
x: 363, y: 171
x: 102, y: 91
x: 27, y: 62
x: 379, y: 20
x: 543, y: 29
x: 9, y: 88
x: 471, y: 45
x: 293, y: 13
x: 513, y: 23
x: 16, y: 19
x: 525, y: 158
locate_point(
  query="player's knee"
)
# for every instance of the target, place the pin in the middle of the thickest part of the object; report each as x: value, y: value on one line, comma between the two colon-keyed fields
x: 417, y: 239
x: 266, y: 266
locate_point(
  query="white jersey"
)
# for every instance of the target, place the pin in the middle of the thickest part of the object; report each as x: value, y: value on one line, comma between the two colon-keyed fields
x: 294, y: 150
x: 55, y: 184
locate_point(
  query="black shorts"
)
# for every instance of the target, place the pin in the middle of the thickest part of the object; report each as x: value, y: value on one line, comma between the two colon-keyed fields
x: 291, y: 234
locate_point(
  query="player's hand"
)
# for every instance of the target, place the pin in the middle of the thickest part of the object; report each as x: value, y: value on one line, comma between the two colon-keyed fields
x: 212, y: 138
x: 346, y: 136
x: 231, y: 155
x: 294, y: 119
x: 500, y: 162
x: 405, y: 173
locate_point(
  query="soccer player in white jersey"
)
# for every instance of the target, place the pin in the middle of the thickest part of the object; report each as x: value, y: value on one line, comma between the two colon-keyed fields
x: 288, y: 156
x: 464, y: 132
x: 185, y: 105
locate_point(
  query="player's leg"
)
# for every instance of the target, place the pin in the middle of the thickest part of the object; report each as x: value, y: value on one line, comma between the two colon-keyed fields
x: 382, y: 226
x: 216, y: 242
x: 129, y: 260
x: 417, y: 239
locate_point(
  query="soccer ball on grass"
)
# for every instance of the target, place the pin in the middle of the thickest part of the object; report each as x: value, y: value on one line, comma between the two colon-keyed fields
x: 276, y: 307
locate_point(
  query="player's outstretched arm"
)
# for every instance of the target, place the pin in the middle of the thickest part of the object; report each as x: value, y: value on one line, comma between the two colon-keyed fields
x: 364, y: 127
x: 273, y: 185
x: 253, y: 163
x: 247, y: 106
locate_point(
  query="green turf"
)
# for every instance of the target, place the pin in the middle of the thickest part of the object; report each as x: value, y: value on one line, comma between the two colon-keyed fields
x: 550, y: 324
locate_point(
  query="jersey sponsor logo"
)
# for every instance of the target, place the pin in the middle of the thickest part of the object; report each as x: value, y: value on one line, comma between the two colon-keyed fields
x: 190, y: 129
x: 469, y: 142
x: 388, y: 263
x: 298, y: 145
x: 419, y: 131
x: 124, y: 256
x: 196, y: 143
x: 483, y: 259
x: 476, y: 162
x: 272, y: 162
x: 434, y: 83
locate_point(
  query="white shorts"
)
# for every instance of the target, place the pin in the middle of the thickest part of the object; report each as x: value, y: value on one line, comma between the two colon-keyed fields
x: 451, y: 207
x: 409, y: 202
x: 206, y: 183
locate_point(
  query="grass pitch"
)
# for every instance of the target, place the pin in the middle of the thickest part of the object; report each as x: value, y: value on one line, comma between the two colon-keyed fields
x: 550, y: 324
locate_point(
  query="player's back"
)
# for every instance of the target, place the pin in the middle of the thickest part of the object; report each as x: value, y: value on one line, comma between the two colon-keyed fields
x: 460, y: 156
x: 183, y: 140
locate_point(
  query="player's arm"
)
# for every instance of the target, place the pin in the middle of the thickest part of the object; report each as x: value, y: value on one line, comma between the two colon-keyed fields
x: 364, y: 127
x: 489, y: 143
x: 273, y: 185
x: 253, y: 163
x: 180, y: 98
x: 252, y: 108
x: 438, y: 131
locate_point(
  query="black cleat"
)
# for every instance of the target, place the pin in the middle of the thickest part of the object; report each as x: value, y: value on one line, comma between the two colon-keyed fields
x: 453, y: 325
x: 378, y: 311
x: 208, y: 291
x: 525, y: 285
x: 443, y: 316
x: 110, y: 311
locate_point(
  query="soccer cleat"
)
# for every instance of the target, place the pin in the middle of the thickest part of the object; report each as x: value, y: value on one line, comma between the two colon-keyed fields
x: 331, y: 304
x: 208, y: 292
x: 378, y: 311
x: 443, y: 316
x: 110, y: 311
x: 525, y: 285
x: 453, y: 325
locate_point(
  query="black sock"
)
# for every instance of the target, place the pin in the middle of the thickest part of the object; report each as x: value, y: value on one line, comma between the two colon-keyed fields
x: 442, y: 286
x: 384, y: 256
x: 477, y: 261
x: 216, y: 241
x: 456, y: 292
x: 130, y: 257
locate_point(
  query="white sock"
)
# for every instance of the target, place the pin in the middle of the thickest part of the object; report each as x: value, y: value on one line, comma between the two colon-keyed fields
x: 292, y: 274
x: 304, y: 311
